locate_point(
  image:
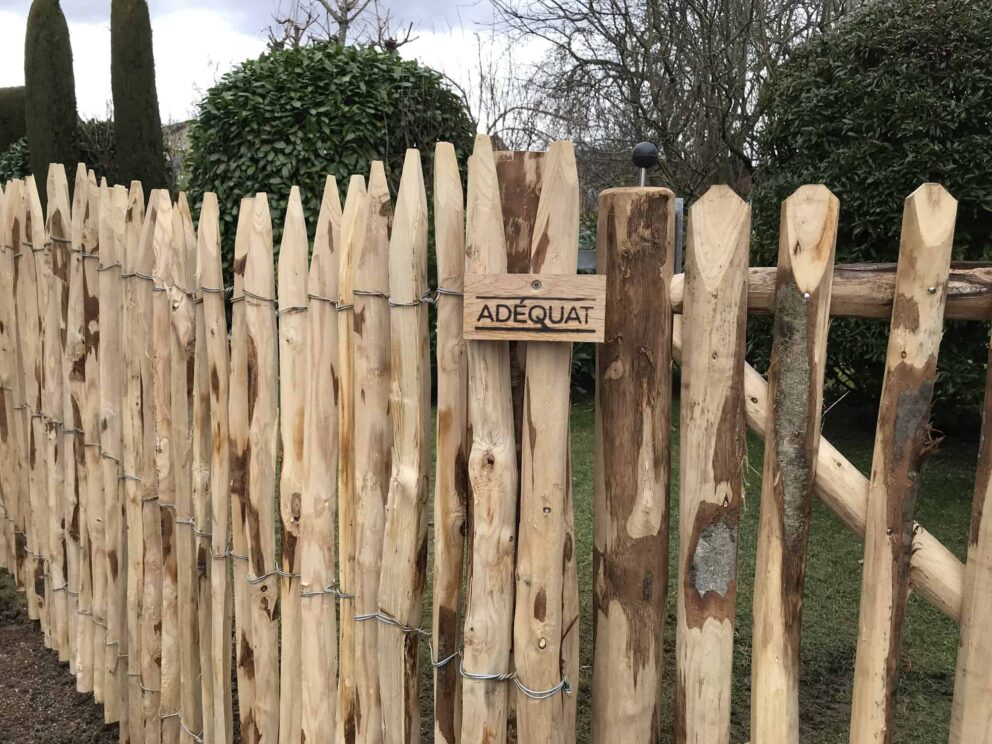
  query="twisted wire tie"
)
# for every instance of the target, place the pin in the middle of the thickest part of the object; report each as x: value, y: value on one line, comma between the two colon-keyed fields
x: 107, y: 456
x: 320, y: 298
x: 563, y: 685
x: 129, y: 477
x: 382, y: 617
x: 293, y: 309
x: 443, y: 662
x: 331, y: 589
x: 137, y: 274
x: 276, y: 572
x: 56, y: 239
x: 107, y: 267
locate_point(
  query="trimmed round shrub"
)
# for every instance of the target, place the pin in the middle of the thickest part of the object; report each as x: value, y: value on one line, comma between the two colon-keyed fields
x: 294, y: 116
x: 15, y: 161
x: 898, y: 94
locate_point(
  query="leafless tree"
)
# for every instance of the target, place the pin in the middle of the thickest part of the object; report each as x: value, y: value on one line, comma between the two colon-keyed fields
x: 300, y: 22
x: 683, y: 73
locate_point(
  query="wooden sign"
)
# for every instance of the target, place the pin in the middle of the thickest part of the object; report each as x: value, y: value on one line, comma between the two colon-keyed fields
x: 535, y: 307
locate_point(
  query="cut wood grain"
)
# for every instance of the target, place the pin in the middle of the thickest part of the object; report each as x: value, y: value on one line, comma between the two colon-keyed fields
x: 181, y: 371
x: 537, y: 627
x: 58, y: 230
x: 353, y: 223
x: 263, y: 432
x: 238, y: 422
x: 712, y: 456
x: 902, y: 441
x: 137, y: 427
x: 110, y: 433
x: 970, y: 720
x: 866, y: 291
x: 492, y: 469
x: 636, y: 253
x: 807, y: 241
x: 451, y: 474
x: 220, y: 727
x: 373, y: 441
x: 318, y: 616
x: 293, y: 268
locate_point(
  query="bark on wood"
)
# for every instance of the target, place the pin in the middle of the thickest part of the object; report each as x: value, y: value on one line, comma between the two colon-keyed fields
x: 901, y: 443
x: 353, y: 222
x: 182, y: 338
x: 292, y: 400
x: 636, y: 252
x: 373, y: 441
x: 318, y: 617
x: 137, y: 424
x: 58, y: 229
x: 158, y: 643
x: 492, y: 472
x: 238, y: 422
x: 109, y: 437
x: 866, y: 291
x: 263, y: 420
x: 203, y: 566
x: 404, y: 557
x: 537, y: 627
x: 970, y: 721
x: 936, y: 574
x: 451, y: 479
x: 807, y: 240
x: 211, y: 278
x: 712, y: 456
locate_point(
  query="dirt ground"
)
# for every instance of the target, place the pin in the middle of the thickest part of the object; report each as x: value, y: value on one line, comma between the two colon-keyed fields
x: 38, y: 699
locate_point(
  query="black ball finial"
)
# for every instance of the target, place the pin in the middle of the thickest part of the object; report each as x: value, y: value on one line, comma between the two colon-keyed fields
x: 645, y: 155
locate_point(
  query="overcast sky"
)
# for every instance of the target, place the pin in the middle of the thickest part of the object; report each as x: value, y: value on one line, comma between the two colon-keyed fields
x: 198, y: 41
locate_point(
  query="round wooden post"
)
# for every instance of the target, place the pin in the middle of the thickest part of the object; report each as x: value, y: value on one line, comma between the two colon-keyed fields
x: 712, y: 460
x: 636, y: 251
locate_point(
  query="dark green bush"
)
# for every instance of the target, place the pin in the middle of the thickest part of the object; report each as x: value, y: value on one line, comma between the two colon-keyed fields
x: 15, y: 161
x: 138, y: 131
x: 50, y: 101
x: 897, y: 95
x: 97, y: 149
x: 11, y: 116
x: 295, y: 115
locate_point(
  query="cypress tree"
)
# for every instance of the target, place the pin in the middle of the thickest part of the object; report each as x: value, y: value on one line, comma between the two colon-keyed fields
x: 50, y: 101
x: 138, y: 127
x: 11, y: 116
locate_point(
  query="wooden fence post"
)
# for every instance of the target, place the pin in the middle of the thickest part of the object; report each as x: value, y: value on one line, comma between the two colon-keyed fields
x: 238, y: 422
x: 72, y: 415
x: 537, y: 628
x: 136, y: 424
x: 902, y: 442
x: 451, y: 479
x: 970, y: 721
x: 404, y: 558
x: 58, y: 229
x: 319, y: 594
x: 492, y: 469
x: 211, y: 276
x: 353, y: 223
x: 263, y: 423
x: 293, y: 255
x: 180, y: 293
x: 373, y: 438
x: 109, y: 436
x: 807, y: 240
x: 712, y: 456
x: 636, y: 252
x: 9, y: 449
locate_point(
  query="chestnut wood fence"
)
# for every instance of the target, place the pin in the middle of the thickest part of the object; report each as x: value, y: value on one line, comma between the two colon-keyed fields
x: 219, y: 500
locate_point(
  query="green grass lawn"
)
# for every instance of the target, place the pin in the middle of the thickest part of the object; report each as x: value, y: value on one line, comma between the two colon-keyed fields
x: 833, y: 586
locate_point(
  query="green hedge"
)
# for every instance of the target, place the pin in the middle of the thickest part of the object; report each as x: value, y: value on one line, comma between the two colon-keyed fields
x: 897, y: 95
x: 295, y: 115
x: 15, y: 161
x: 11, y: 116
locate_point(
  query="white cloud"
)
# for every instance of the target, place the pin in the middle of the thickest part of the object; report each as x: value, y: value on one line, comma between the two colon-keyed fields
x: 193, y: 48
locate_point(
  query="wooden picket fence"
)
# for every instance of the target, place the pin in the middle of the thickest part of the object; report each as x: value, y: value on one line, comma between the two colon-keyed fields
x: 196, y: 475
